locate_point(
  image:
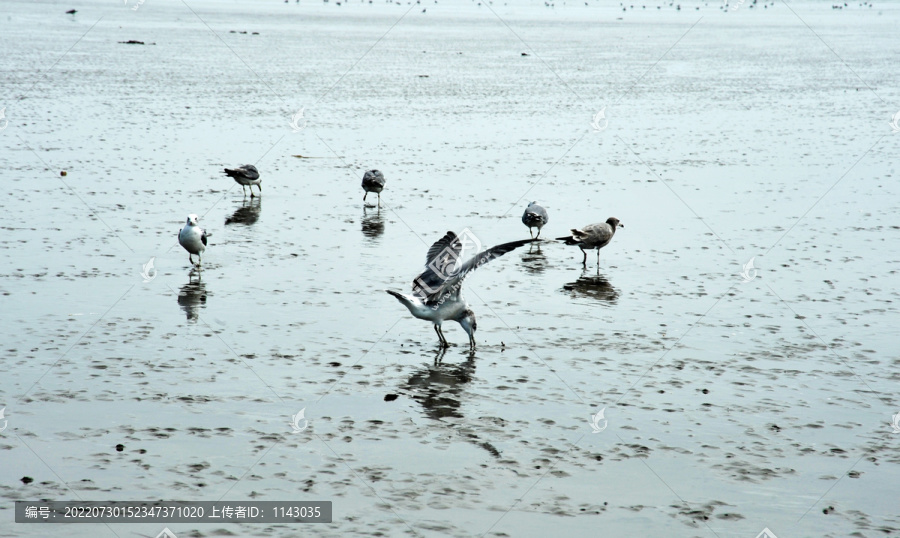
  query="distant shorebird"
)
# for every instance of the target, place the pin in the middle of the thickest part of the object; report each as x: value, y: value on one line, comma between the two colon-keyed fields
x: 593, y: 236
x: 436, y: 294
x: 246, y: 175
x: 535, y: 216
x: 373, y: 181
x: 193, y: 238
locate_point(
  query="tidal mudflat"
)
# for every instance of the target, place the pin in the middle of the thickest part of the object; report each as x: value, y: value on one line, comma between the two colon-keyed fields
x: 734, y: 398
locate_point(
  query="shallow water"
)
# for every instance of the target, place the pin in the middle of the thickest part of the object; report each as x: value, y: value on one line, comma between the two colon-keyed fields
x: 731, y: 405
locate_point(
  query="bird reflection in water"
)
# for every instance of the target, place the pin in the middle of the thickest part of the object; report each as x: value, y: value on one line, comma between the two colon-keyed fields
x: 247, y: 214
x: 534, y: 261
x: 593, y: 287
x: 192, y: 296
x: 372, y: 223
x: 440, y: 388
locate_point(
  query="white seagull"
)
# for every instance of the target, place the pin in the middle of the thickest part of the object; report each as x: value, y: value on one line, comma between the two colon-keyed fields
x: 593, y: 236
x: 246, y: 175
x: 436, y: 292
x: 193, y: 238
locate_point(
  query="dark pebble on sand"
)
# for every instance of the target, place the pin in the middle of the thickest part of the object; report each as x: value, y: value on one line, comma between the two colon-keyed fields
x: 120, y: 447
x: 27, y: 480
x: 390, y: 397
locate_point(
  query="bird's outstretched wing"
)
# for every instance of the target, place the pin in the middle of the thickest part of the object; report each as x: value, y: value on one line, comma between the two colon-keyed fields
x: 490, y: 254
x: 441, y: 261
x: 445, y: 271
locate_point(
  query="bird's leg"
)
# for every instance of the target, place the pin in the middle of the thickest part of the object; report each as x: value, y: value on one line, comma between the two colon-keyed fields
x: 598, y: 258
x: 444, y: 338
x: 190, y: 259
x: 538, y: 234
x: 244, y: 189
x: 364, y: 199
x: 531, y: 233
x: 379, y: 199
x: 440, y: 338
x: 199, y: 260
x: 584, y: 261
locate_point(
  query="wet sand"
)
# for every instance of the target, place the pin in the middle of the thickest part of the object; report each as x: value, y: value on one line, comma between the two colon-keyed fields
x: 731, y: 405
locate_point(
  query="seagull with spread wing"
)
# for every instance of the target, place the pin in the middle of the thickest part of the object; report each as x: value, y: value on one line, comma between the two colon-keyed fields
x: 436, y: 292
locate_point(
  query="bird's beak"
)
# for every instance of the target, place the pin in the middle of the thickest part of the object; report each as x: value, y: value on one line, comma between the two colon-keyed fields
x: 621, y: 225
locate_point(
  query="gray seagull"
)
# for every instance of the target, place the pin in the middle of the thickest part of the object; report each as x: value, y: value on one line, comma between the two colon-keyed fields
x: 593, y: 236
x: 436, y: 292
x: 244, y: 176
x: 373, y: 181
x: 535, y: 216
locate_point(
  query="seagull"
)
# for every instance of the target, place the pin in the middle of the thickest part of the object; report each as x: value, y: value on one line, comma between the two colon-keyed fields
x: 535, y: 216
x: 436, y: 291
x: 373, y: 181
x: 193, y: 238
x: 246, y: 175
x: 593, y: 236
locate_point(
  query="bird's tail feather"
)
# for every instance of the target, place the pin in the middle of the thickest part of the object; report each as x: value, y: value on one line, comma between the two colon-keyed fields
x: 402, y: 298
x: 568, y: 239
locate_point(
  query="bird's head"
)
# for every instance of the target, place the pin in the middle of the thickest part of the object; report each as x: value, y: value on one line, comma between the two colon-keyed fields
x: 613, y: 221
x: 467, y: 321
x: 192, y: 219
